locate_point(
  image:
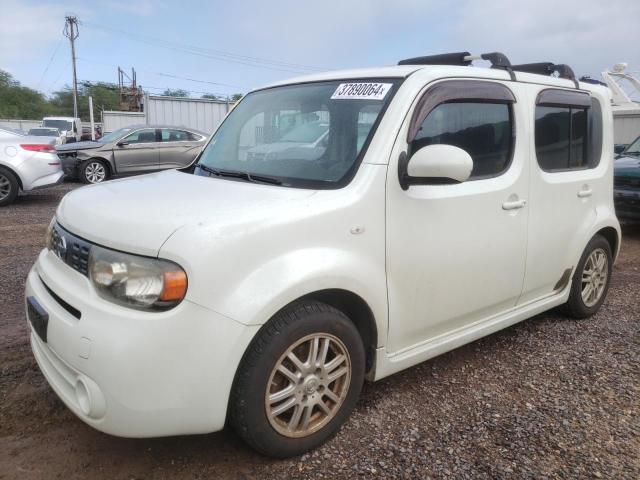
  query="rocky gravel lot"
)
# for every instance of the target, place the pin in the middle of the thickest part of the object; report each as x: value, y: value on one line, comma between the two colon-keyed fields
x: 548, y: 398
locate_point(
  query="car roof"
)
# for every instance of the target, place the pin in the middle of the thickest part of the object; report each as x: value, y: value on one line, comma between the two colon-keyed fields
x: 176, y: 127
x: 438, y: 71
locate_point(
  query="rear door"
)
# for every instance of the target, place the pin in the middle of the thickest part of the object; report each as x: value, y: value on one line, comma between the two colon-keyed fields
x: 137, y: 152
x: 566, y: 180
x: 177, y: 148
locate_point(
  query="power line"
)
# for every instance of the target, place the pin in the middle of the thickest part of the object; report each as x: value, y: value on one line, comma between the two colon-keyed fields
x: 170, y: 75
x: 46, y: 69
x: 256, y: 62
x: 64, y: 69
x: 114, y: 87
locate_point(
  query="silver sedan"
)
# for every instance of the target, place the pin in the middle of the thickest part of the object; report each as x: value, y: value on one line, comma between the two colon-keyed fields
x: 131, y: 150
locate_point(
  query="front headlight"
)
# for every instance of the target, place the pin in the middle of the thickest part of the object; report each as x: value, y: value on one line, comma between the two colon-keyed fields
x: 48, y: 237
x: 136, y: 282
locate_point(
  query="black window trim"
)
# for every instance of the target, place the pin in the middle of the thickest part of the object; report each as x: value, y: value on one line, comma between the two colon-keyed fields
x: 571, y: 100
x: 457, y: 92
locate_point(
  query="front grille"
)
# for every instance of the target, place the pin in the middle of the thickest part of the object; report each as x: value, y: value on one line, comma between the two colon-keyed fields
x: 627, y: 182
x: 72, y: 250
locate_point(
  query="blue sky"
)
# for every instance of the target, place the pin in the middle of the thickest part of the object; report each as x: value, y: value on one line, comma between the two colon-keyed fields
x: 209, y: 42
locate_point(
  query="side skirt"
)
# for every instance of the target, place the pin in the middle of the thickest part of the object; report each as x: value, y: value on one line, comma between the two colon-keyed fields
x: 390, y: 363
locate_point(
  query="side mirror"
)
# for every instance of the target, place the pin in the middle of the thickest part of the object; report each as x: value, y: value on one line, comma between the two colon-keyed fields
x: 434, y: 164
x: 122, y: 144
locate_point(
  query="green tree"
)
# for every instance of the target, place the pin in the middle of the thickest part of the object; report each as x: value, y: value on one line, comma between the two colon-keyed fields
x: 177, y: 92
x: 105, y: 97
x: 236, y: 96
x: 210, y: 96
x: 17, y: 101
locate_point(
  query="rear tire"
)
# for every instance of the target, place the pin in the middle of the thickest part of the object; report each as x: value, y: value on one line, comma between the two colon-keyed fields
x: 9, y: 187
x: 93, y: 170
x: 591, y: 279
x: 283, y: 407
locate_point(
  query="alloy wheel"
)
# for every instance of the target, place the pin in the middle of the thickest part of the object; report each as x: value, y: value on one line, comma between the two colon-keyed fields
x: 594, y: 277
x: 95, y: 172
x: 308, y: 385
x: 5, y: 187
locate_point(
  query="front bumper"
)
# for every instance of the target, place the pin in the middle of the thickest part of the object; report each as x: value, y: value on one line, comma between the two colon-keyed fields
x: 627, y: 203
x: 70, y: 163
x: 132, y: 373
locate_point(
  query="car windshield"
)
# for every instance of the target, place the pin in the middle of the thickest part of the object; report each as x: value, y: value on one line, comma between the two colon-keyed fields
x: 115, y: 135
x: 43, y: 132
x: 634, y: 148
x: 62, y: 125
x: 307, y: 135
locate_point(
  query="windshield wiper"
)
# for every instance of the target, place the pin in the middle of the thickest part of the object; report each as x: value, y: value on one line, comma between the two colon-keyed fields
x: 250, y: 177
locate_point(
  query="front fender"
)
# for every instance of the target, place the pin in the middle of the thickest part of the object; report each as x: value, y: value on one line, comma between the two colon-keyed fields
x: 280, y: 281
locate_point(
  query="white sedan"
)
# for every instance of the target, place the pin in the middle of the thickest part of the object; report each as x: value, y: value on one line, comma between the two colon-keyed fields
x: 26, y: 163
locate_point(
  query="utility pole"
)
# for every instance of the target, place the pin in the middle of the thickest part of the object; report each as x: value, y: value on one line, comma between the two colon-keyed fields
x: 71, y: 32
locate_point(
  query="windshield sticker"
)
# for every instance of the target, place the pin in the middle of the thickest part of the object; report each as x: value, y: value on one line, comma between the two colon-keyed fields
x: 361, y: 91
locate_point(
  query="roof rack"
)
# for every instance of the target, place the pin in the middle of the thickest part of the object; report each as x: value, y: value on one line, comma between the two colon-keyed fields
x: 498, y: 60
x: 456, y: 58
x: 548, y: 68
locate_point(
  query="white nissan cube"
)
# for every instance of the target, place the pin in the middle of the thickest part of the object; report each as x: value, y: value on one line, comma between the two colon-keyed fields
x: 337, y: 227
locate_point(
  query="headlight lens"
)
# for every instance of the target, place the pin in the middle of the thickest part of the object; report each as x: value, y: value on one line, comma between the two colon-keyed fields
x: 48, y: 237
x: 136, y: 282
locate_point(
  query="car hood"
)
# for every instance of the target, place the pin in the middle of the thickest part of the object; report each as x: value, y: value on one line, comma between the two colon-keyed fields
x: 70, y: 147
x: 139, y: 214
x: 628, y: 166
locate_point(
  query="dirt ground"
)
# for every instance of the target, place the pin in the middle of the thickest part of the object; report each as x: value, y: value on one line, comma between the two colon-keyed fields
x: 548, y: 398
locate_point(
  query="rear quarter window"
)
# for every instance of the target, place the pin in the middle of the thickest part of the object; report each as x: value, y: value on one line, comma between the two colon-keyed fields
x: 568, y: 131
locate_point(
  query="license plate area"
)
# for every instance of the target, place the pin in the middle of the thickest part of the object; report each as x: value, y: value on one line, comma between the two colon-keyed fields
x: 38, y: 317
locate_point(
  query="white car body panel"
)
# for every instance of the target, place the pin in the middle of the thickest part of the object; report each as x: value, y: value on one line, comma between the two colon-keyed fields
x: 438, y: 265
x: 34, y: 169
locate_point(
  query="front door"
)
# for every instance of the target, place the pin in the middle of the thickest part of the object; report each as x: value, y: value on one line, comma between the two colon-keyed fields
x: 456, y: 252
x: 137, y: 152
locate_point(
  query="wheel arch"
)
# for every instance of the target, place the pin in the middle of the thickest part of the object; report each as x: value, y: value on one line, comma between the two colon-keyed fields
x: 106, y: 161
x: 611, y: 236
x: 358, y: 311
x: 15, y: 174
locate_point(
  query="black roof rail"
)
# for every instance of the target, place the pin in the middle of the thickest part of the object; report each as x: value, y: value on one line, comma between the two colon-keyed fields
x: 456, y: 58
x: 499, y: 60
x: 548, y: 68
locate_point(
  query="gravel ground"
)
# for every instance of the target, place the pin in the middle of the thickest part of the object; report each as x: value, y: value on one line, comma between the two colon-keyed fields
x: 547, y: 398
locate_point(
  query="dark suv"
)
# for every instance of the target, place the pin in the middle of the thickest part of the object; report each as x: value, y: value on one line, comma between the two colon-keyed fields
x: 627, y: 182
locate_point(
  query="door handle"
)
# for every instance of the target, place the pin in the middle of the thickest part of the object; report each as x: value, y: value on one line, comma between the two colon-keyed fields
x: 585, y: 193
x: 514, y: 205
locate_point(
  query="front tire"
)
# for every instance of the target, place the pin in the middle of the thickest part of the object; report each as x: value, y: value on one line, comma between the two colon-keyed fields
x: 94, y: 171
x: 9, y: 187
x: 298, y: 381
x: 591, y: 279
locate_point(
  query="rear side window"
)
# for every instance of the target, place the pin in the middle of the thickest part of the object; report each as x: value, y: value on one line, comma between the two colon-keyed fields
x: 170, y: 135
x: 483, y: 130
x: 141, y: 136
x: 568, y: 131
